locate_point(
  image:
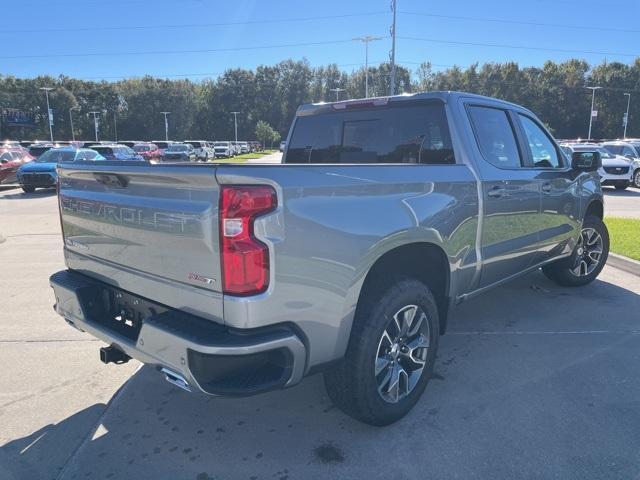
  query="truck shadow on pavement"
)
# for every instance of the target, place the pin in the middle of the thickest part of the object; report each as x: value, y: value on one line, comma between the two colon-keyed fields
x: 532, y: 381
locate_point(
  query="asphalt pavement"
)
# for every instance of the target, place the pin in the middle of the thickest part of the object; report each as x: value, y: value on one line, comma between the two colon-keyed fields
x: 625, y: 203
x: 532, y: 381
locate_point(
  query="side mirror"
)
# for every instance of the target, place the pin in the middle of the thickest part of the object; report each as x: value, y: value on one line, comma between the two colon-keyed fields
x: 629, y: 156
x: 586, y: 161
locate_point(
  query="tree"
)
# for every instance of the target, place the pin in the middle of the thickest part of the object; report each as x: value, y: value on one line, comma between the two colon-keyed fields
x: 265, y: 133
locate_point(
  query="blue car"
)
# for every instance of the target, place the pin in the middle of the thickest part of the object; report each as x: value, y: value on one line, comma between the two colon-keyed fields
x: 41, y: 173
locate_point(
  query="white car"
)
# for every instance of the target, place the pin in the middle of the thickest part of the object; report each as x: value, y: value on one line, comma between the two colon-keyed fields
x: 630, y: 149
x: 223, y: 149
x: 244, y: 147
x: 616, y: 170
x: 203, y: 151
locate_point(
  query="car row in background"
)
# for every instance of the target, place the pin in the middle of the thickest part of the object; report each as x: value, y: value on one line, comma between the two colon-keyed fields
x: 627, y: 151
x: 203, y: 150
x: 618, y: 170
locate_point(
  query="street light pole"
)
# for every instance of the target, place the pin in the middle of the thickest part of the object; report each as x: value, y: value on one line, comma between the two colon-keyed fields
x: 235, y: 123
x: 337, y: 90
x: 95, y: 123
x: 166, y: 126
x: 593, y: 98
x: 626, y: 117
x: 366, y: 39
x: 73, y: 134
x: 49, y: 116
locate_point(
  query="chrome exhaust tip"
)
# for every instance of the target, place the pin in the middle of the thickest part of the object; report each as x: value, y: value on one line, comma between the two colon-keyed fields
x: 176, y: 379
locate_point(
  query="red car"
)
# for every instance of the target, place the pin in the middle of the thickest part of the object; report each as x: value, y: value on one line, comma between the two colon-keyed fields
x: 148, y: 151
x: 10, y: 160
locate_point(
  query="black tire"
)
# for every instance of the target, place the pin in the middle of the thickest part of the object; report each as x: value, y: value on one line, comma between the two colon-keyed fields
x: 352, y: 384
x: 29, y: 189
x: 562, y: 272
x: 636, y: 178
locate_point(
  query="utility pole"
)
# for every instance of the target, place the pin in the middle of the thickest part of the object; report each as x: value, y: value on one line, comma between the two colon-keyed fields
x: 626, y: 115
x: 337, y: 90
x: 73, y: 134
x: 235, y: 123
x: 166, y: 126
x: 593, y: 98
x: 392, y: 83
x: 95, y: 123
x: 49, y: 113
x: 366, y: 39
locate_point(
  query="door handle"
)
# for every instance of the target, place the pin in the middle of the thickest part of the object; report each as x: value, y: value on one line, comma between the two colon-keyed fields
x: 497, y: 192
x: 547, y: 187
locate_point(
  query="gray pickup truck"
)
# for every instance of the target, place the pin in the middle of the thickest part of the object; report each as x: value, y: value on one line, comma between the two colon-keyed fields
x: 238, y: 279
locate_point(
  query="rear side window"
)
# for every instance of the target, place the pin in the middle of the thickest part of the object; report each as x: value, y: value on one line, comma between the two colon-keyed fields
x: 495, y: 136
x: 406, y: 134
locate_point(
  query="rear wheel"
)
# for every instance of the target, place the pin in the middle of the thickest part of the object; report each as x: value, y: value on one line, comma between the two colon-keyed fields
x: 29, y: 189
x: 636, y: 178
x: 588, y: 259
x: 390, y: 356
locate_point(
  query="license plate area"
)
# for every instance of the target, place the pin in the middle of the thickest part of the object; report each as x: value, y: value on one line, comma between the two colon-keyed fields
x: 117, y: 310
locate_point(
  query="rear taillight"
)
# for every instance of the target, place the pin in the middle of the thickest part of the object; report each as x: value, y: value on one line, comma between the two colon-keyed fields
x: 245, y: 259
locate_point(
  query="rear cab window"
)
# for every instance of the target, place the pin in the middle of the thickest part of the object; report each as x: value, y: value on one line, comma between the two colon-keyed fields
x: 415, y: 133
x: 495, y: 136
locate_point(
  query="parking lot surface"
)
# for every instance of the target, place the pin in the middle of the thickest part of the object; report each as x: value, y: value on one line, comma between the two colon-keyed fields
x: 625, y: 203
x: 532, y: 381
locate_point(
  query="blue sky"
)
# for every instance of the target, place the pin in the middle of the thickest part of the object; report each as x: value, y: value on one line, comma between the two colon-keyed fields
x: 62, y: 31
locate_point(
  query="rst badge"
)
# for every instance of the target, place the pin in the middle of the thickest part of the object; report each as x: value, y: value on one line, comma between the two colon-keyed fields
x: 196, y: 277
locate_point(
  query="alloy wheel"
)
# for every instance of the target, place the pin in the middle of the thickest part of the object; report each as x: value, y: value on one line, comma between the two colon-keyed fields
x: 588, y: 252
x: 402, y: 353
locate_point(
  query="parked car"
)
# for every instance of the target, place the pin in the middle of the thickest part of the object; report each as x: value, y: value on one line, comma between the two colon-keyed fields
x: 162, y: 144
x: 223, y: 149
x: 41, y: 173
x: 349, y: 267
x: 11, y: 158
x: 117, y: 152
x: 203, y: 150
x: 38, y: 149
x: 615, y: 171
x: 244, y: 147
x: 129, y: 143
x: 148, y: 151
x: 179, y: 152
x: 283, y: 145
x: 629, y: 149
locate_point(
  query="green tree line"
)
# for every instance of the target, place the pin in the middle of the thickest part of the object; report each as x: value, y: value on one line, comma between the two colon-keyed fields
x: 201, y: 109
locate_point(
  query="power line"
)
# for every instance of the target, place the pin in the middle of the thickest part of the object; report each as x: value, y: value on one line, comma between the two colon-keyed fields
x: 518, y: 22
x: 93, y: 28
x: 518, y: 47
x: 174, y: 52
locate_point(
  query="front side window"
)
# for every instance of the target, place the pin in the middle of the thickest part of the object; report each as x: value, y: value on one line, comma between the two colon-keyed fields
x: 543, y: 151
x: 495, y: 136
x: 393, y: 134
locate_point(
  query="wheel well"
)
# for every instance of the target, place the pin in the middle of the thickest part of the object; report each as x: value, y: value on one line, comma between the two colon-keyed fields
x: 423, y: 261
x: 596, y: 209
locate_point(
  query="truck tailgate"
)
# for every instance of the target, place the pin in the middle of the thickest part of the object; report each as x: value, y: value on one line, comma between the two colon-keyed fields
x: 158, y: 222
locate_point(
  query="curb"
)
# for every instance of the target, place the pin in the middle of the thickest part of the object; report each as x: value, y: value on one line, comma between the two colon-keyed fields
x: 624, y: 263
